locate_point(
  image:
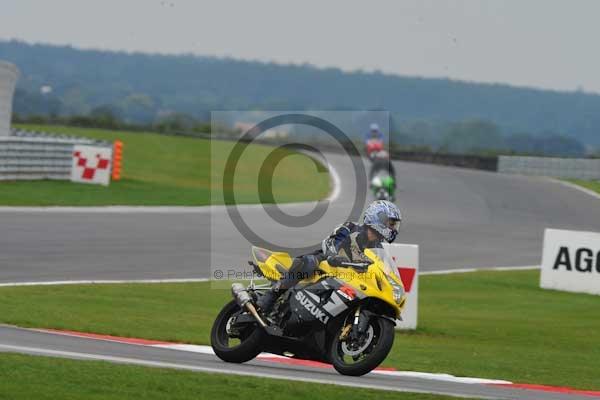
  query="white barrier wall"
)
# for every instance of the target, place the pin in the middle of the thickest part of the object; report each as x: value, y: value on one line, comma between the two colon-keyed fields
x: 8, y: 79
x: 571, y: 261
x: 406, y: 259
x: 33, y: 155
x: 568, y: 168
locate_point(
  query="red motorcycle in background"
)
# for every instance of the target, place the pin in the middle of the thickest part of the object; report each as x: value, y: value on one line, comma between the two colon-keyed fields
x: 373, y: 146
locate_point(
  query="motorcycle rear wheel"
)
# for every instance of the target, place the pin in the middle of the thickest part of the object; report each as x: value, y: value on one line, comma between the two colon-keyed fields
x: 368, y: 358
x: 250, y: 339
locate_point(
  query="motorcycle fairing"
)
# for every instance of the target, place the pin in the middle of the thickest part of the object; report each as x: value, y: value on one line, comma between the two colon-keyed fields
x: 318, y: 303
x: 272, y: 265
x: 372, y: 281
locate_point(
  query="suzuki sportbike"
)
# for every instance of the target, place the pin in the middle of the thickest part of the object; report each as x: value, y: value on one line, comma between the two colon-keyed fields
x: 343, y: 315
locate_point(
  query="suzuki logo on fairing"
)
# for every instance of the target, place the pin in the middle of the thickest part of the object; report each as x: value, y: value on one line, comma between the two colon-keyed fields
x: 312, y: 308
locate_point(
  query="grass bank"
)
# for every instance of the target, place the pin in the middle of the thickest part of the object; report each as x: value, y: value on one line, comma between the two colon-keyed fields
x: 484, y: 324
x: 31, y: 377
x: 169, y: 170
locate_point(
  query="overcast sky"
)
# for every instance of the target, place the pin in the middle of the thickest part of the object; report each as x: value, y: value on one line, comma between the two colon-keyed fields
x: 540, y: 43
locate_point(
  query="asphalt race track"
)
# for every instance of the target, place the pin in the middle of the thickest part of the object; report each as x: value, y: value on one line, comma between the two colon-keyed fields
x: 460, y: 218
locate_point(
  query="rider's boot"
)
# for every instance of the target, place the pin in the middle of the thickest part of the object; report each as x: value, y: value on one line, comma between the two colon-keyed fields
x: 302, y: 267
x: 266, y: 301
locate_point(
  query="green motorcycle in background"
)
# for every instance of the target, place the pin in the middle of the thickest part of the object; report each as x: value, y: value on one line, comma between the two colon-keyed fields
x: 382, y: 177
x: 383, y: 186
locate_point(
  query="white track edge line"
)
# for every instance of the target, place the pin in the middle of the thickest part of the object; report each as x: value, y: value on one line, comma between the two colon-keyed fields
x: 116, y: 209
x: 443, y: 377
x: 336, y: 182
x: 576, y: 187
x: 192, y: 280
x: 467, y: 270
x: 204, y: 349
x: 161, y: 364
x: 102, y: 282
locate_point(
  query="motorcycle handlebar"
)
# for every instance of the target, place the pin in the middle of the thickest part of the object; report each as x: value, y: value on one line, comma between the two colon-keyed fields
x: 338, y: 262
x: 354, y: 265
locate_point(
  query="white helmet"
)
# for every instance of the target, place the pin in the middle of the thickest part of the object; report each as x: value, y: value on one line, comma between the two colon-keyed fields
x: 384, y: 217
x: 374, y: 127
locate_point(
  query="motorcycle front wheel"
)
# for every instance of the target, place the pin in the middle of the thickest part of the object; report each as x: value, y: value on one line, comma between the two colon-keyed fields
x: 231, y: 345
x: 360, y: 356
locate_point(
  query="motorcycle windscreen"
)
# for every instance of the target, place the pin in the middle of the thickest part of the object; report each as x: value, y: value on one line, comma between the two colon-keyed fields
x: 272, y: 264
x: 260, y: 255
x: 386, y: 260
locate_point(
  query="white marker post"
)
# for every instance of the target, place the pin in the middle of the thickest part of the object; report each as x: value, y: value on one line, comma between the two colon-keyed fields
x: 406, y: 259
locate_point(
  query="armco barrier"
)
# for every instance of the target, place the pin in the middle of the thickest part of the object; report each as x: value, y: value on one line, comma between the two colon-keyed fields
x: 455, y: 160
x: 487, y: 163
x: 28, y: 155
x: 568, y: 168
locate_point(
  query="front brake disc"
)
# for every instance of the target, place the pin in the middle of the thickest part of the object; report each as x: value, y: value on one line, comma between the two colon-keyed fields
x: 364, y: 344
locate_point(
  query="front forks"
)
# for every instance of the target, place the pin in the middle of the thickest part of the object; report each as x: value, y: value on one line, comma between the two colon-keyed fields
x: 358, y: 327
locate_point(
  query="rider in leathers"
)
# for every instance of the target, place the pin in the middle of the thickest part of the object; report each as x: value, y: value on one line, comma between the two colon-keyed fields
x: 346, y: 243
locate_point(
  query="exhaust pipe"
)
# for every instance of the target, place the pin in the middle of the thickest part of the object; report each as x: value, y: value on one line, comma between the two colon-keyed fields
x: 242, y: 297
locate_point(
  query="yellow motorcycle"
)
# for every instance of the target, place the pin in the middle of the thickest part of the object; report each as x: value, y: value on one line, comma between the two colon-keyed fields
x: 343, y: 315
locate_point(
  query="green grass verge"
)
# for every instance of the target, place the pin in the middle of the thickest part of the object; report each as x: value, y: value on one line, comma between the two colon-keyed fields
x: 31, y: 377
x: 168, y: 170
x: 484, y: 324
x: 592, y: 185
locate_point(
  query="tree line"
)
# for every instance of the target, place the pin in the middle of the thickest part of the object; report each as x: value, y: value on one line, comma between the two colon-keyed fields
x: 470, y: 137
x: 144, y: 88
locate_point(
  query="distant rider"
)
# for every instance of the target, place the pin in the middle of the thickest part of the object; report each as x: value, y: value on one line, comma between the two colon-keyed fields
x: 373, y: 140
x: 383, y: 173
x: 381, y: 162
x: 374, y: 133
x: 346, y: 243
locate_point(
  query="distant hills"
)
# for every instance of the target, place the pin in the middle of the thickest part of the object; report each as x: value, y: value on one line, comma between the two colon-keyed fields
x: 63, y: 80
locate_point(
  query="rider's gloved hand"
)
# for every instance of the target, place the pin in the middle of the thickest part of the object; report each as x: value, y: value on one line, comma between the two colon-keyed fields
x: 336, y: 261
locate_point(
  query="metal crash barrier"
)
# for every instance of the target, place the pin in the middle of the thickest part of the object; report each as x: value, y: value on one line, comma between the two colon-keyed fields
x: 26, y: 155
